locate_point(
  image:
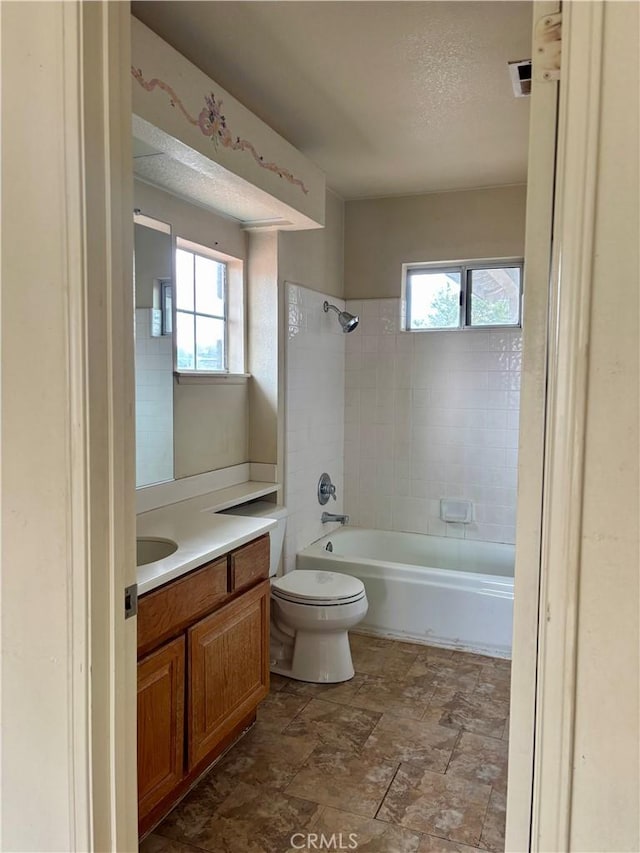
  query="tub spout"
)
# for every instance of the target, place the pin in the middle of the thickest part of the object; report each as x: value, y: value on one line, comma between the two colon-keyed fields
x: 333, y: 516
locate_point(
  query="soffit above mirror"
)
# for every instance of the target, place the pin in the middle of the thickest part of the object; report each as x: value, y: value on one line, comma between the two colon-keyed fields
x: 196, y: 141
x: 203, y: 183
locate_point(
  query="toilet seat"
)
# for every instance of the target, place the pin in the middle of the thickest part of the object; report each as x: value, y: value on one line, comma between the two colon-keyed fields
x: 317, y: 588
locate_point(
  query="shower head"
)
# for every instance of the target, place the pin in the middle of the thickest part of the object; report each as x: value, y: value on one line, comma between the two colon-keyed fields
x: 346, y: 320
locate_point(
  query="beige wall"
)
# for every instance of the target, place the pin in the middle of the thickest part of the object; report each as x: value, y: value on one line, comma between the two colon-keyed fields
x: 210, y: 424
x: 190, y: 221
x: 153, y: 260
x: 382, y: 234
x: 263, y: 355
x: 605, y: 790
x: 315, y: 259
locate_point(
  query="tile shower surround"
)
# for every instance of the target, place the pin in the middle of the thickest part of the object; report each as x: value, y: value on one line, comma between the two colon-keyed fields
x: 315, y: 364
x: 430, y: 415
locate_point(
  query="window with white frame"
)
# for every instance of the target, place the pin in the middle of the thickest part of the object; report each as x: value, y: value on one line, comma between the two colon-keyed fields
x: 467, y: 295
x: 200, y: 312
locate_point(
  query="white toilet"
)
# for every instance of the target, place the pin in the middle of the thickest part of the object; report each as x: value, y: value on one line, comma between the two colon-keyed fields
x: 311, y: 612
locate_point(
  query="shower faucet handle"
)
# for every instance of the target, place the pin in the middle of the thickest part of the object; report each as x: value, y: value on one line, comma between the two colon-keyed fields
x: 326, y: 489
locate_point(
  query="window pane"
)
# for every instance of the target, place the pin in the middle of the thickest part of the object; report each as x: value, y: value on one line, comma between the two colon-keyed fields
x: 210, y: 277
x: 209, y: 344
x: 184, y: 280
x: 495, y: 297
x: 434, y: 299
x: 185, y: 348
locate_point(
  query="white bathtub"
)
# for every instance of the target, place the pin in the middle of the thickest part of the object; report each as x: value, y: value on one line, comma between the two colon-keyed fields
x: 455, y: 593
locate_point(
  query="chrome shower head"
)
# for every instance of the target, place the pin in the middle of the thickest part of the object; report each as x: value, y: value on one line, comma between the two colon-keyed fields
x: 346, y: 320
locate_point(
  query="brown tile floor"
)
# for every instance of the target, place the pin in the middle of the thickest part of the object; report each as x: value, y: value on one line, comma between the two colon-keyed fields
x: 410, y: 755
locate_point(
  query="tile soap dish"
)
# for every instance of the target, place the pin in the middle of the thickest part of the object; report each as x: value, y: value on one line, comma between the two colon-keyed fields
x: 456, y: 510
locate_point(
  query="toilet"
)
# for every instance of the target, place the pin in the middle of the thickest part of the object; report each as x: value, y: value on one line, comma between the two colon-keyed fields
x: 311, y: 612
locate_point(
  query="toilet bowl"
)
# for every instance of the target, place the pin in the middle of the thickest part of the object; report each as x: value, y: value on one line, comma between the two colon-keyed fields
x: 311, y: 612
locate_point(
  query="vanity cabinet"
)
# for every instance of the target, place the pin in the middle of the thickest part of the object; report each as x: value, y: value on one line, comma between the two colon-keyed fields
x: 229, y: 669
x: 203, y: 667
x: 160, y: 723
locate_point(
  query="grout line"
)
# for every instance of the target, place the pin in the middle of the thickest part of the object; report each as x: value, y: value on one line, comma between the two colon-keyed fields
x: 455, y: 746
x: 484, y: 819
x: 375, y: 817
x: 297, y: 714
x: 451, y: 840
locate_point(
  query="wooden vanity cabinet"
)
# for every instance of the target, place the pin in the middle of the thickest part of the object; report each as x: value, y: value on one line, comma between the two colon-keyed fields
x: 203, y: 667
x: 228, y: 655
x: 161, y: 687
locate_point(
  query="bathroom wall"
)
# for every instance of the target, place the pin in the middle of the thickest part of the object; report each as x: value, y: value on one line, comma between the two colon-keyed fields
x: 430, y: 415
x: 154, y: 412
x: 210, y: 421
x: 211, y: 424
x: 154, y: 361
x: 315, y: 363
x: 381, y: 234
x: 316, y: 258
x: 433, y: 414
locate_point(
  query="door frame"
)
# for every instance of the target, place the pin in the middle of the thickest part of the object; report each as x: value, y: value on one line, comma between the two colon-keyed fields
x: 552, y: 438
x: 67, y: 439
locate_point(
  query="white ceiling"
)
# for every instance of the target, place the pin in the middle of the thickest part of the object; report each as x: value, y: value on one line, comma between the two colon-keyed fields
x: 387, y: 98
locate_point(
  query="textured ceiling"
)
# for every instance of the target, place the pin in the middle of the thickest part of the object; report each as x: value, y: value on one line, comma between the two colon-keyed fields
x: 387, y: 98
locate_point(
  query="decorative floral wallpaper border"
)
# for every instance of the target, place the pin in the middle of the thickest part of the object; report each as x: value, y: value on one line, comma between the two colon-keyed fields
x: 213, y: 124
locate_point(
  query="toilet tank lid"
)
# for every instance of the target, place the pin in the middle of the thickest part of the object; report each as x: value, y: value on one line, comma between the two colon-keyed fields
x: 259, y: 509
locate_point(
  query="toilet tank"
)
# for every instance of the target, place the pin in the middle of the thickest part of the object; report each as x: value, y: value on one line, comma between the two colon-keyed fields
x: 265, y: 509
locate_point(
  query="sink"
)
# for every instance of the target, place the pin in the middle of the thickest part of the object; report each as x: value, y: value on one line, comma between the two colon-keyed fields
x: 150, y: 549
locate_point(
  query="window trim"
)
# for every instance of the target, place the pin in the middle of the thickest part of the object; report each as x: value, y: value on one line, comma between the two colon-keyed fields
x: 464, y: 268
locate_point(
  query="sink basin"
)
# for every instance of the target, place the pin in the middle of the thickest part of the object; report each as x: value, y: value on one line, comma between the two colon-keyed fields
x: 149, y: 549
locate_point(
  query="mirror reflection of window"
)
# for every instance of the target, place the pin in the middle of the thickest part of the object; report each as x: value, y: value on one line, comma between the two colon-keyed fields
x: 153, y: 277
x: 201, y: 312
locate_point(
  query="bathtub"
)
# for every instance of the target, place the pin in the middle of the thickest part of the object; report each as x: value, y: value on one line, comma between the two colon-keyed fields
x: 455, y: 593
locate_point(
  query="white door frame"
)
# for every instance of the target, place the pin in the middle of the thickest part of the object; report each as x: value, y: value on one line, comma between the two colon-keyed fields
x: 67, y: 440
x: 552, y: 439
x: 571, y: 280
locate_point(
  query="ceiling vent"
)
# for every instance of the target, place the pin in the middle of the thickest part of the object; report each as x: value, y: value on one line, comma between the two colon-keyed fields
x: 521, y: 77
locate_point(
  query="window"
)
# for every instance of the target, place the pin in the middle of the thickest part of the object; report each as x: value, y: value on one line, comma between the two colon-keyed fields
x: 463, y: 296
x: 200, y: 312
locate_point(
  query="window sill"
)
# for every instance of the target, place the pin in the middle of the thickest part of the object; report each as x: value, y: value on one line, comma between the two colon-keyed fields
x: 202, y: 378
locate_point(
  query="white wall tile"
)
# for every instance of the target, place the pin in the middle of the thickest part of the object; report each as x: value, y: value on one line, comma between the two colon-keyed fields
x: 430, y: 415
x: 318, y: 428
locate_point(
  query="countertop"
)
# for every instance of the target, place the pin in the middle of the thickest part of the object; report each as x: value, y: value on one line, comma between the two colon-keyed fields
x: 200, y: 533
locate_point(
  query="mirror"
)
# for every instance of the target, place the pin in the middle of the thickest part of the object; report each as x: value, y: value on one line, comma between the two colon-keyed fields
x: 153, y: 274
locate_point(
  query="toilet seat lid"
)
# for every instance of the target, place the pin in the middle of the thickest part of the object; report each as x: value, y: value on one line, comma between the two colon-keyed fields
x: 315, y: 587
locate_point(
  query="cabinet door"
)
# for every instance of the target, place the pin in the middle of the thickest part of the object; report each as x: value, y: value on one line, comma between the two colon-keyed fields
x: 160, y: 724
x: 228, y: 669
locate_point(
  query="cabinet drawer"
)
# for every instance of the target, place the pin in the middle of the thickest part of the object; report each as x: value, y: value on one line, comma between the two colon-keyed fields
x: 249, y: 564
x: 165, y: 612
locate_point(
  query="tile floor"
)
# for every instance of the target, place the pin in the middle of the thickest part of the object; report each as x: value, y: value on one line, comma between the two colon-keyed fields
x: 410, y: 755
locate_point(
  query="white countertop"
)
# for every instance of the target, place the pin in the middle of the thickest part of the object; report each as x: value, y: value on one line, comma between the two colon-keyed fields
x: 201, y: 535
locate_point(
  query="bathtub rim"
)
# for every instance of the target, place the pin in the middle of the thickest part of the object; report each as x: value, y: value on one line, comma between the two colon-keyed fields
x: 446, y: 576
